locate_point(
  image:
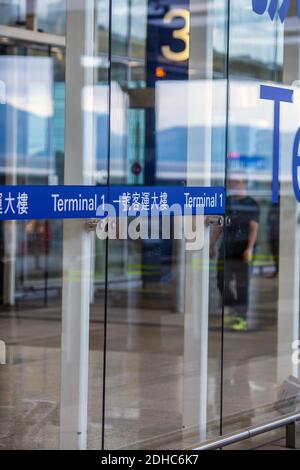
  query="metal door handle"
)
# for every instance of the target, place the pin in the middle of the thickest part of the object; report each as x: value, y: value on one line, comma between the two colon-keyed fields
x: 227, y: 221
x: 213, y: 220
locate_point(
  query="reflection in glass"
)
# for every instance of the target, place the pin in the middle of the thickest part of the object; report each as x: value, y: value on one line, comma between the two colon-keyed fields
x: 51, y: 16
x: 12, y: 12
x: 168, y: 105
x: 32, y: 152
x: 259, y: 334
x: 158, y: 135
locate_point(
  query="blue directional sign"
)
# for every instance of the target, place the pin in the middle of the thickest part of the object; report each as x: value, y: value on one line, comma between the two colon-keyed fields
x: 155, y: 200
x: 81, y: 202
x: 50, y: 202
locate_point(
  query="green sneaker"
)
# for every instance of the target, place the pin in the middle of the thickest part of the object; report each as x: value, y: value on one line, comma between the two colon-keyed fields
x: 235, y: 323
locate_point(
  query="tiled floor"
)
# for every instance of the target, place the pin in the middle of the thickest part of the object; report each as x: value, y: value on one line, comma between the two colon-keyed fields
x: 278, y: 445
x: 145, y: 381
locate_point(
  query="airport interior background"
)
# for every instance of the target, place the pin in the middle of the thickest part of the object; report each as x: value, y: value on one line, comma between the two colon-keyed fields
x: 127, y: 344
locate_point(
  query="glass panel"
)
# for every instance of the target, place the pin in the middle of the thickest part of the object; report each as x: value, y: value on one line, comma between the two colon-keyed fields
x: 199, y: 341
x: 260, y: 289
x: 12, y: 12
x: 167, y: 127
x: 51, y: 16
x: 31, y: 252
x: 100, y: 109
x: 40, y: 404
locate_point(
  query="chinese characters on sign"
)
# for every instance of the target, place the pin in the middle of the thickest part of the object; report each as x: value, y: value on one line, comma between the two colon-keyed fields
x: 143, y: 201
x: 67, y: 202
x: 10, y: 205
x: 160, y: 200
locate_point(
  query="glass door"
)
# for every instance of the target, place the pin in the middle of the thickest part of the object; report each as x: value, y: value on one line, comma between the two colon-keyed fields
x: 116, y: 343
x: 31, y: 151
x: 165, y: 331
x: 49, y: 269
x: 163, y: 318
x: 203, y: 343
x: 260, y: 285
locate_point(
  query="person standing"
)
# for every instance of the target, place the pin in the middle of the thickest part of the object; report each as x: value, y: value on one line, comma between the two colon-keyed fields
x: 237, y: 247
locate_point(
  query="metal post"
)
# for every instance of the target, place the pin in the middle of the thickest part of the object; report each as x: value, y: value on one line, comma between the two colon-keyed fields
x: 197, y: 262
x: 2, y: 353
x: 77, y: 241
x: 290, y: 441
x: 31, y: 15
x: 253, y: 431
x: 12, y: 85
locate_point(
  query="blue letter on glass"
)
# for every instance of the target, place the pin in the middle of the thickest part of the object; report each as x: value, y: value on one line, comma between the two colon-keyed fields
x: 273, y: 7
x: 259, y: 6
x: 296, y: 165
x: 277, y: 95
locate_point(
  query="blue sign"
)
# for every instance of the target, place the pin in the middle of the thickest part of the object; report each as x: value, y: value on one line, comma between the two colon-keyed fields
x: 274, y: 6
x: 168, y: 29
x: 156, y: 200
x: 81, y: 202
x: 50, y: 202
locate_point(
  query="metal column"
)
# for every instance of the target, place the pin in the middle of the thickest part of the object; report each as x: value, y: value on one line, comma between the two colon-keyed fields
x: 77, y: 242
x: 197, y: 262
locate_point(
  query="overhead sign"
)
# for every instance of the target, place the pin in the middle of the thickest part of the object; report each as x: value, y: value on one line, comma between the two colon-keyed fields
x: 168, y: 44
x: 161, y: 200
x: 50, y: 202
x: 80, y: 202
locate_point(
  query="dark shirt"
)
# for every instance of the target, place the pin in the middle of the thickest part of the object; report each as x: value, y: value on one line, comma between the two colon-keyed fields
x: 273, y: 222
x: 241, y: 211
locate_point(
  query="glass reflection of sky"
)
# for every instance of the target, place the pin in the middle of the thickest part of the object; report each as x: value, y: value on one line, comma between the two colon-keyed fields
x: 51, y: 16
x: 251, y: 36
x: 27, y: 111
x: 120, y: 23
x: 257, y: 38
x: 12, y: 11
x: 183, y: 106
x: 250, y: 120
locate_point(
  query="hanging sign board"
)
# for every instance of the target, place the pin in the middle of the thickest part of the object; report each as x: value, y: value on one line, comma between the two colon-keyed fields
x: 80, y: 202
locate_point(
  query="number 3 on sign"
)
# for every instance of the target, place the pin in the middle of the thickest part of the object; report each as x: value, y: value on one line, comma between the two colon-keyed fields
x: 182, y: 34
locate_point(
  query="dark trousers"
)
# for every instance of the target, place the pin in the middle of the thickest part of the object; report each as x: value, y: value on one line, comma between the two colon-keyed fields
x: 233, y: 284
